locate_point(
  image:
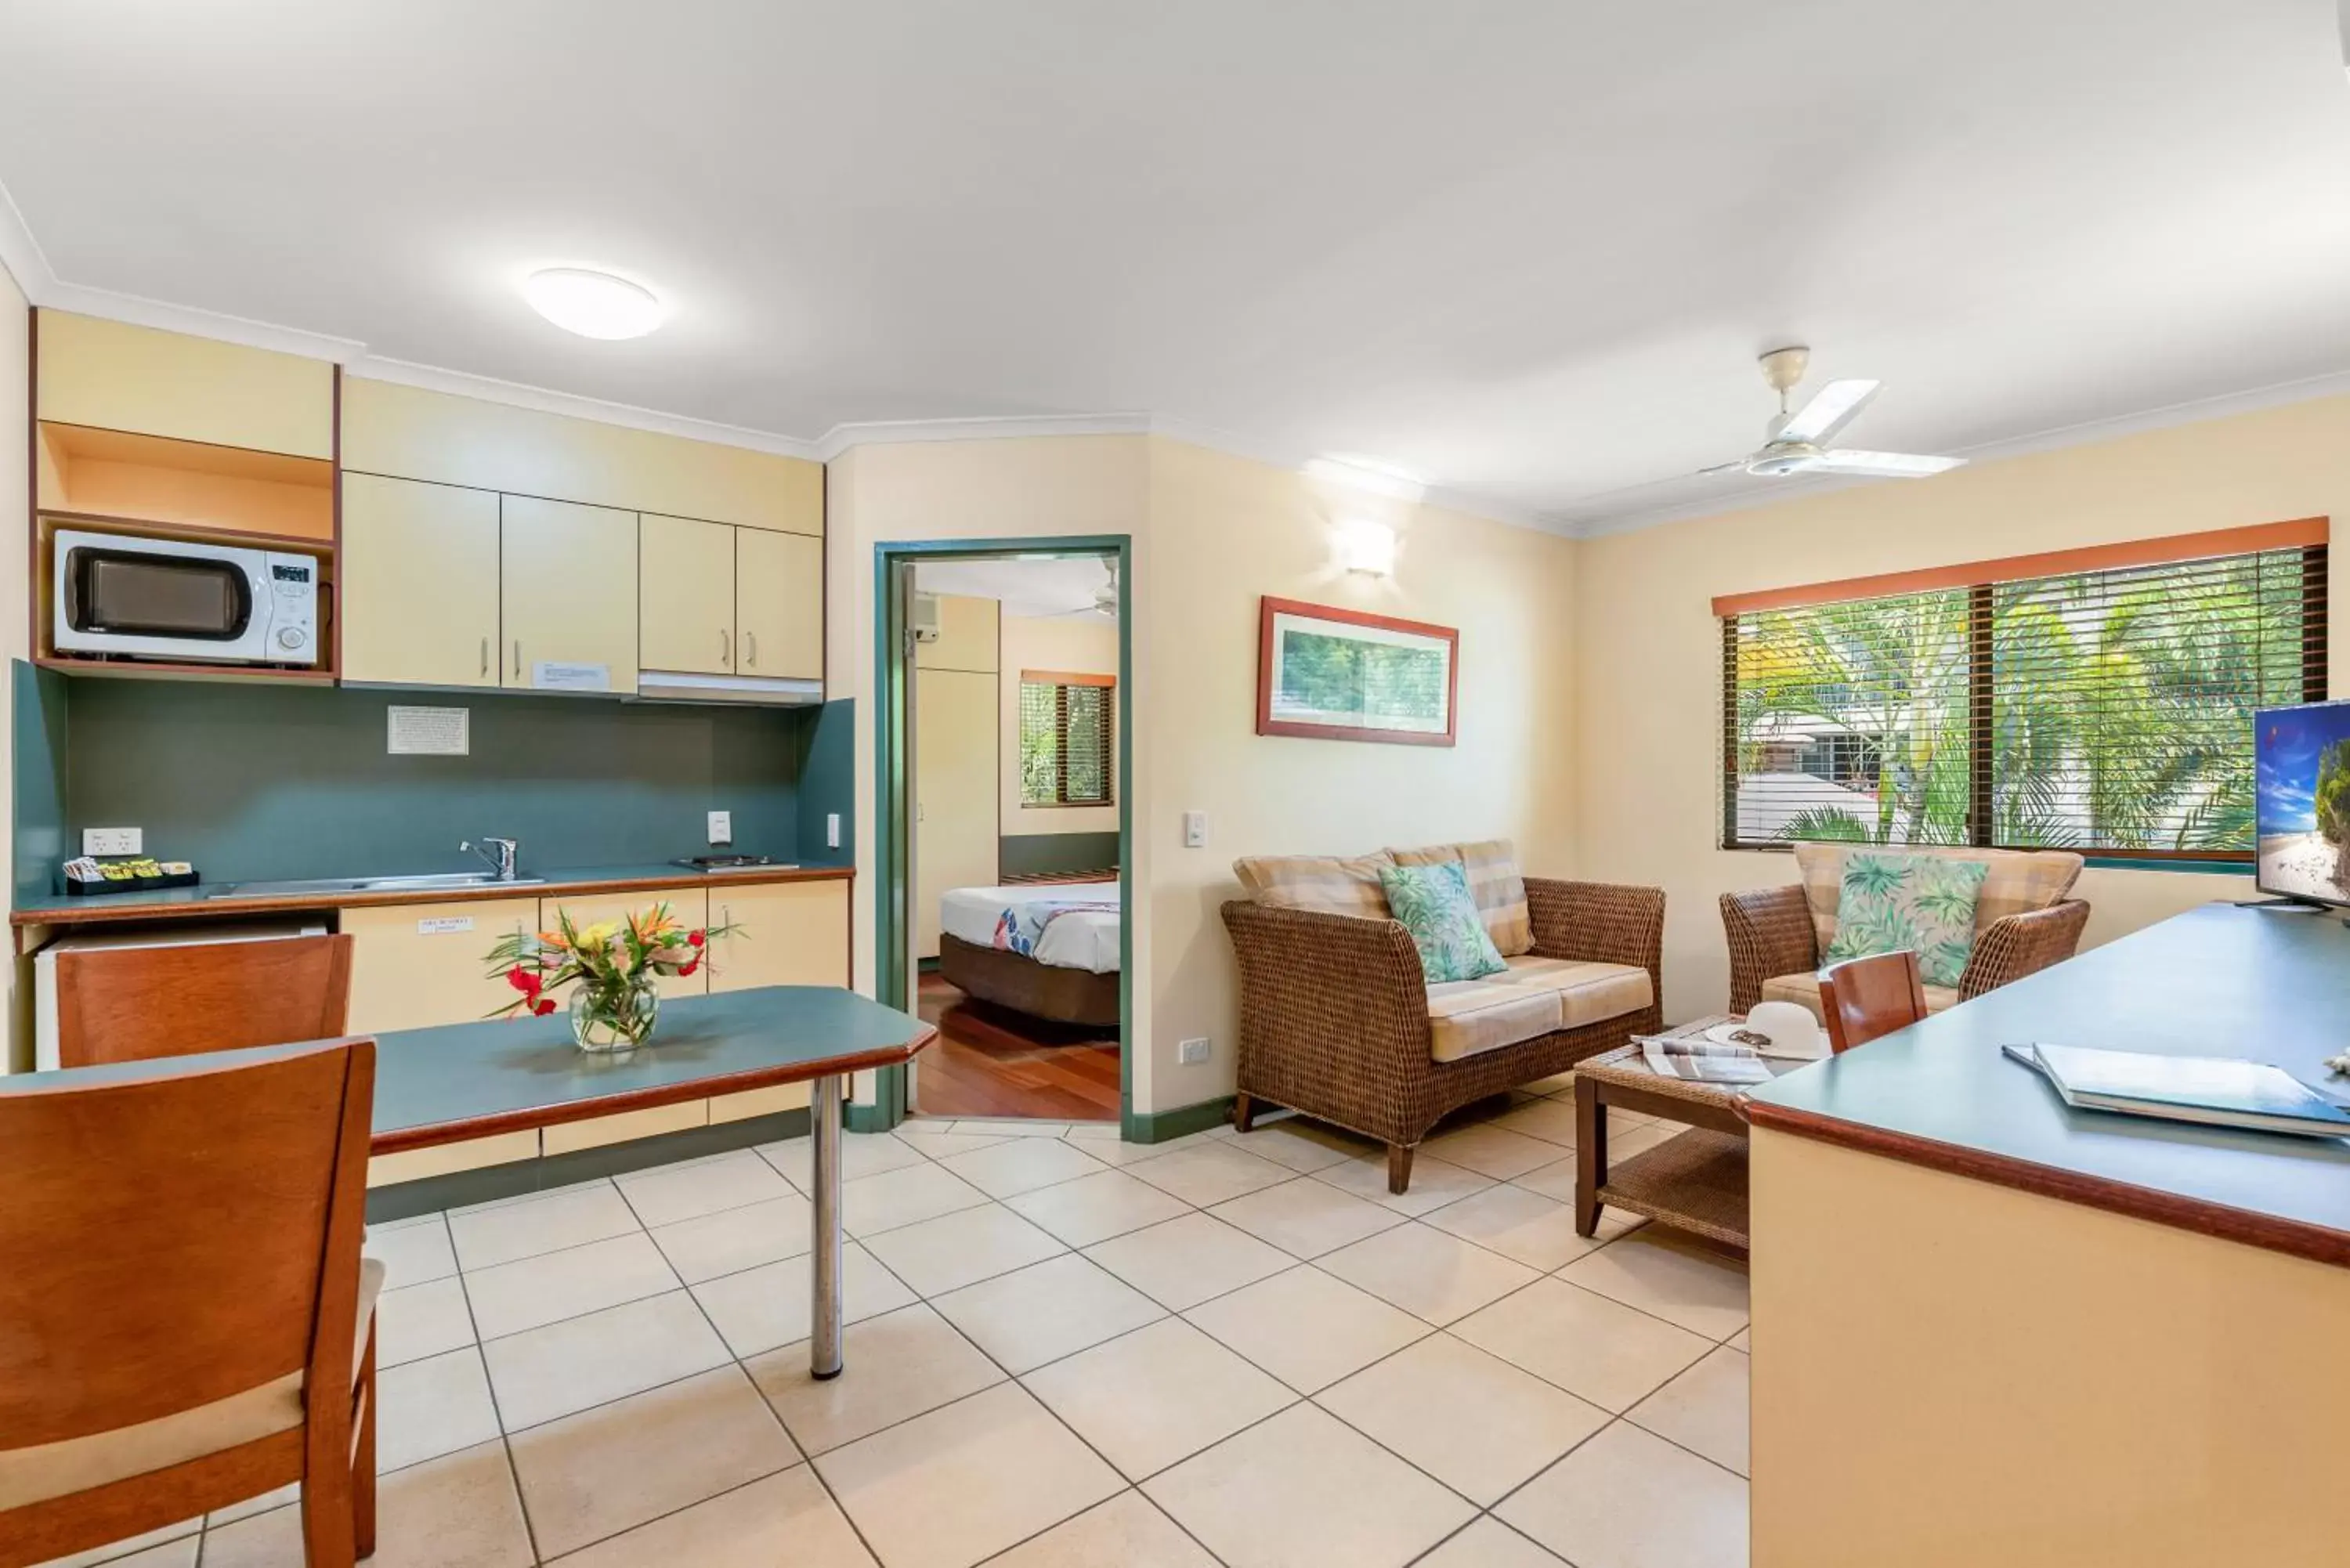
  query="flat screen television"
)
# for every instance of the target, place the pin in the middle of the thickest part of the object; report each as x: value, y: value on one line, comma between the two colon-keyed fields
x: 2301, y: 769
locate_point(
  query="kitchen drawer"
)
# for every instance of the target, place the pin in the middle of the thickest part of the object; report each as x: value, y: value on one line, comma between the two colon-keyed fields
x: 793, y: 933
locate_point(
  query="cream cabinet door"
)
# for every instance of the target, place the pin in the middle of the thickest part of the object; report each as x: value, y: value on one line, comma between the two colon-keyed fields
x: 419, y: 583
x: 690, y: 905
x: 955, y: 783
x: 779, y: 604
x: 416, y: 965
x: 688, y: 586
x: 568, y: 587
x: 793, y: 933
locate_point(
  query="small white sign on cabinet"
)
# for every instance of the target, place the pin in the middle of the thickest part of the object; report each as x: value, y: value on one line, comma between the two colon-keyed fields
x: 428, y: 732
x: 553, y: 675
x: 444, y: 925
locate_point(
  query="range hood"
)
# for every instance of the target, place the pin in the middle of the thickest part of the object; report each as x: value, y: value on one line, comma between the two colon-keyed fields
x: 690, y: 686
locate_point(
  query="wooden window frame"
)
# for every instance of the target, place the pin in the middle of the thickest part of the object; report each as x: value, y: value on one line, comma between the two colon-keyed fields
x: 1061, y: 681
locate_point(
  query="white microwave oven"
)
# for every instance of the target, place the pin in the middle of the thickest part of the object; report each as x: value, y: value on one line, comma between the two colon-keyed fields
x: 168, y: 599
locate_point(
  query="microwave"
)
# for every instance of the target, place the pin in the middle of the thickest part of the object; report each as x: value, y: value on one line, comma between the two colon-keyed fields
x: 169, y: 599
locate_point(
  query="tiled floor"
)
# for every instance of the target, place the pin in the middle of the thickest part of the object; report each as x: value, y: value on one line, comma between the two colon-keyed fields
x: 1065, y: 1351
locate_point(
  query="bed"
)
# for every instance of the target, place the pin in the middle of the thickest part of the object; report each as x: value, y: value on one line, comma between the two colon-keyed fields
x: 1049, y: 949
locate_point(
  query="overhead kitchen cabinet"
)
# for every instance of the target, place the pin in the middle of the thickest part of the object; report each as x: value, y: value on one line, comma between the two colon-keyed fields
x: 422, y: 583
x: 779, y: 604
x: 731, y: 613
x: 688, y: 596
x: 567, y: 593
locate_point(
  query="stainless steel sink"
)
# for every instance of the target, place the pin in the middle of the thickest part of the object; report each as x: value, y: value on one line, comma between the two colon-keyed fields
x: 428, y: 883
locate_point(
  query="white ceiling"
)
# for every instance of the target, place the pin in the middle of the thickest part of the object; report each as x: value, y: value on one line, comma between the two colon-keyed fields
x: 1031, y: 586
x: 1527, y: 248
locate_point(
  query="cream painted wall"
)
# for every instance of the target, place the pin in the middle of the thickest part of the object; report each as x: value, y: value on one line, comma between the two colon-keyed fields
x: 1648, y: 651
x: 16, y: 489
x: 1075, y: 644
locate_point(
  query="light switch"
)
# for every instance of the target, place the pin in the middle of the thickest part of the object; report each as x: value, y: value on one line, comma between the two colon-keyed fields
x: 832, y: 830
x: 1195, y: 830
x: 722, y: 828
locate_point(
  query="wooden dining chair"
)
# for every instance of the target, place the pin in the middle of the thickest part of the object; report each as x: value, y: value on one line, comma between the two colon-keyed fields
x: 185, y: 1320
x: 1866, y: 997
x: 132, y: 1003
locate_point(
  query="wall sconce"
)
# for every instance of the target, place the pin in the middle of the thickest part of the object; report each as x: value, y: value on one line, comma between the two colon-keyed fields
x: 1366, y: 546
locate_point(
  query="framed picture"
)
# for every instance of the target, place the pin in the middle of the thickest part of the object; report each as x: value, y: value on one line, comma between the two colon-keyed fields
x: 1341, y: 675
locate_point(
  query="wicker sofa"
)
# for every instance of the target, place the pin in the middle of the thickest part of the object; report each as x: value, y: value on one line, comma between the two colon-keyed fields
x: 1778, y: 936
x: 1336, y: 1013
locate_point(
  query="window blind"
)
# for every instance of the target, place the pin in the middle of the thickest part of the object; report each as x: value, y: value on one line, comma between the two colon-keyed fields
x: 1068, y: 747
x: 2104, y: 709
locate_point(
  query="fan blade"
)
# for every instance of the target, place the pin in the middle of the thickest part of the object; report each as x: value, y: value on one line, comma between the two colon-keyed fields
x: 1885, y: 465
x: 1733, y: 466
x: 1830, y: 409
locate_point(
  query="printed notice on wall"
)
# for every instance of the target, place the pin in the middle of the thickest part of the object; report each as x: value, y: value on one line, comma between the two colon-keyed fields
x: 552, y: 675
x: 428, y: 732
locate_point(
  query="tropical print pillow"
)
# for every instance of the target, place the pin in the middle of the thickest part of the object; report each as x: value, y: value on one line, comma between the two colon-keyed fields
x: 1436, y: 906
x: 1921, y: 902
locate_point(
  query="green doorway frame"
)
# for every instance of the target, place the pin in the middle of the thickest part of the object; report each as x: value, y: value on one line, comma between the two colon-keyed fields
x: 893, y: 587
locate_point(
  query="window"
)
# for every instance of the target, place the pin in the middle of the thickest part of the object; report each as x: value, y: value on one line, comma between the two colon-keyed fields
x: 2097, y: 701
x: 1067, y: 749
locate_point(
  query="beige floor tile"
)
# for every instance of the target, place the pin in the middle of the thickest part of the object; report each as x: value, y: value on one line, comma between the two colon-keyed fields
x: 432, y: 1408
x: 1488, y: 1543
x: 736, y: 1238
x: 958, y: 1485
x: 1304, y: 1491
x: 615, y: 1467
x: 1185, y: 1261
x: 1305, y: 1328
x: 1490, y: 1149
x: 958, y: 1249
x: 1046, y: 1310
x: 1472, y: 1421
x: 1435, y: 1182
x: 907, y: 1196
x: 1628, y: 1500
x: 938, y: 1145
x: 455, y: 1512
x: 1011, y: 1127
x: 1742, y: 1340
x: 173, y: 1546
x: 1126, y: 1532
x: 783, y: 1522
x: 1303, y: 1146
x: 1095, y: 1208
x: 1210, y: 1172
x: 413, y: 1251
x: 1588, y: 1345
x: 1704, y: 1409
x: 546, y: 1373
x: 532, y: 1292
x: 1701, y: 1292
x: 1624, y: 1142
x: 1023, y: 1165
x: 417, y: 1321
x: 277, y: 1497
x: 1556, y: 1181
x: 546, y: 1223
x: 1430, y: 1275
x: 1538, y: 1231
x: 1084, y: 1132
x: 759, y: 1309
x: 1305, y: 1218
x: 899, y: 1365
x: 668, y: 1193
x: 1117, y: 1152
x: 1158, y: 1394
x: 535, y: 1195
x: 861, y: 1155
x: 1552, y: 1121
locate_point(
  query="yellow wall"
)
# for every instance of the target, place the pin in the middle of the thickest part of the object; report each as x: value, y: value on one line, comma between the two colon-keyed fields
x: 1075, y: 644
x: 16, y: 417
x: 1648, y: 651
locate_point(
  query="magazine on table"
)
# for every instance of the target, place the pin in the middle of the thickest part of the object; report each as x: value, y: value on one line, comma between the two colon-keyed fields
x: 1691, y: 1054
x: 2221, y: 1091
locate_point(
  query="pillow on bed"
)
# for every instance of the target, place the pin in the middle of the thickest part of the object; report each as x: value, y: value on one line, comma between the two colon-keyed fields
x: 1433, y: 903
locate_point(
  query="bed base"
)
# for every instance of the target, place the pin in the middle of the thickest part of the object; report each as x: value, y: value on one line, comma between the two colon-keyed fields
x: 1018, y: 981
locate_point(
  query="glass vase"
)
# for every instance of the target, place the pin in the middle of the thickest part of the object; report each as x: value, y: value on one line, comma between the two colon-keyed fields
x: 618, y: 1018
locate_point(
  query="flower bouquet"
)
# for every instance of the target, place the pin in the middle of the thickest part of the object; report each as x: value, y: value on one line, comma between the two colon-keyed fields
x: 613, y: 967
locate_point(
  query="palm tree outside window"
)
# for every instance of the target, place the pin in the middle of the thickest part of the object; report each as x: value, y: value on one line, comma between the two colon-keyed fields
x: 1068, y: 748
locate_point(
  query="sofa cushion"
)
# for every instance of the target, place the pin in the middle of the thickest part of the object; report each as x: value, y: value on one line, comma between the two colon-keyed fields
x: 1533, y: 996
x: 1493, y: 881
x: 1432, y: 903
x: 1323, y: 883
x: 1923, y: 904
x: 2018, y: 881
x: 1804, y: 991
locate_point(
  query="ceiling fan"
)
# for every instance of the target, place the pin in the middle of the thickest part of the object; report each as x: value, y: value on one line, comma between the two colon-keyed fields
x: 1105, y: 597
x: 1795, y: 442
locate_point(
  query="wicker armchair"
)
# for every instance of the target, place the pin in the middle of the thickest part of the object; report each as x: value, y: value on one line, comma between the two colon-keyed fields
x: 1334, y: 1011
x: 1771, y: 934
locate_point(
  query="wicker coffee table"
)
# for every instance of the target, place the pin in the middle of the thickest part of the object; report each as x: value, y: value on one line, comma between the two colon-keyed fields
x: 1694, y: 1182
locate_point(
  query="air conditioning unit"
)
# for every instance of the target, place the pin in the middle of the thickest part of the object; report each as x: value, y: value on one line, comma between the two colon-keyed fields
x: 925, y: 617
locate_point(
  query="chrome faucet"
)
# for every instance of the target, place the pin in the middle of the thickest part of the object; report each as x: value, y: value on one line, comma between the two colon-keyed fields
x: 498, y: 854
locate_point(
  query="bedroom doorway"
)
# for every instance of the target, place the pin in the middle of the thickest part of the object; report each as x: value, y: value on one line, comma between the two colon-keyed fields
x: 1003, y: 749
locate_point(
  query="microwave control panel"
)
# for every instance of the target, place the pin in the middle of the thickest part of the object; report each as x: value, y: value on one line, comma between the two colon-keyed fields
x: 293, y: 630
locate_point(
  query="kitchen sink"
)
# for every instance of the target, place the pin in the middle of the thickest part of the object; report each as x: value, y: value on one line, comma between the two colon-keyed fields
x: 450, y: 881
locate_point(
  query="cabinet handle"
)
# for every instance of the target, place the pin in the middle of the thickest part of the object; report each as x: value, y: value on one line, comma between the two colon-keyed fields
x: 750, y: 641
x: 517, y: 659
x: 725, y: 647
x: 485, y: 656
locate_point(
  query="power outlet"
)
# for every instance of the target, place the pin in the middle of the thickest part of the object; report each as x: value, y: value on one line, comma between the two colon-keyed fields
x: 722, y: 828
x: 113, y: 841
x: 1195, y: 830
x: 832, y: 830
x: 1192, y: 1052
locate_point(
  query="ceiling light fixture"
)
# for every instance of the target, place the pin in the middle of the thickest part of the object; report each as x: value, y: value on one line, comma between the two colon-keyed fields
x: 593, y: 304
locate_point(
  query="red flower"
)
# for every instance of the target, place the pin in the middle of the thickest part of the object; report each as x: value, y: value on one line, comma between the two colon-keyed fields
x: 688, y: 968
x: 695, y: 937
x: 543, y: 1006
x: 524, y: 980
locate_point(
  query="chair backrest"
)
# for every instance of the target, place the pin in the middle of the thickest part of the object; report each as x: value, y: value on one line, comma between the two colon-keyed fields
x: 175, y: 1233
x: 1866, y: 997
x: 129, y: 1004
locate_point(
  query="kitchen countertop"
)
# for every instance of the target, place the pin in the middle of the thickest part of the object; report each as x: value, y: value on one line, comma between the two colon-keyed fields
x: 192, y: 903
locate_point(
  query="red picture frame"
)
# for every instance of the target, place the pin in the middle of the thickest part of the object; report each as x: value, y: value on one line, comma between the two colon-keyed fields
x: 1270, y: 611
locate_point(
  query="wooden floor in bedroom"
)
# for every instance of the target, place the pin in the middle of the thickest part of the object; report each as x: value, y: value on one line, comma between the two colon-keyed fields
x: 992, y: 1062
